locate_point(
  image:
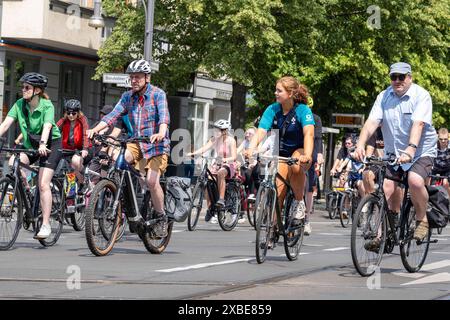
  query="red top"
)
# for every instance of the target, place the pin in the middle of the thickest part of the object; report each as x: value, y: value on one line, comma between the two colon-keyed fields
x: 80, y: 138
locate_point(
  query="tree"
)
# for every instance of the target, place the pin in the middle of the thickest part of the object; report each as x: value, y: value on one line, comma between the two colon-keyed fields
x: 327, y: 44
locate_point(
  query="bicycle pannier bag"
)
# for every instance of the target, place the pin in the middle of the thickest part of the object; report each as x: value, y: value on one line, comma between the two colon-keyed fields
x: 180, y: 189
x: 438, y: 207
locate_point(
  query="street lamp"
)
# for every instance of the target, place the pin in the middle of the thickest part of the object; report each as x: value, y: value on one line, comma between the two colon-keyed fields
x: 148, y: 40
x: 96, y: 21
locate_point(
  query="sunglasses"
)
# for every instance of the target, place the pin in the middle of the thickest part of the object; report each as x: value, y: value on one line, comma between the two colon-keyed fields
x: 26, y: 88
x: 74, y: 113
x: 400, y: 77
x: 443, y: 140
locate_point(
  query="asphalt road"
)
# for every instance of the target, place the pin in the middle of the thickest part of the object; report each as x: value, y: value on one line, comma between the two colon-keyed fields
x: 212, y: 264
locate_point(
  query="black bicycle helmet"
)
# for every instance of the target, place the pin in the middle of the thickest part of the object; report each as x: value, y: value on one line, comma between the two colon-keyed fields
x: 35, y: 79
x: 72, y: 105
x: 139, y: 66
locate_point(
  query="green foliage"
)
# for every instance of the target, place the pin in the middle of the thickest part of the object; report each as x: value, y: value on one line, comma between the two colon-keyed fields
x: 327, y: 44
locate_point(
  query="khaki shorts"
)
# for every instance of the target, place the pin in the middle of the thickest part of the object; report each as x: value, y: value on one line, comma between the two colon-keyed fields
x: 158, y: 163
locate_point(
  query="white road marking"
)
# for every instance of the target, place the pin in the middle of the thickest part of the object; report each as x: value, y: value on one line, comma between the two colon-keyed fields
x: 438, y: 252
x: 408, y: 275
x: 436, y: 265
x: 337, y: 249
x: 332, y: 234
x: 435, y: 278
x: 203, y: 265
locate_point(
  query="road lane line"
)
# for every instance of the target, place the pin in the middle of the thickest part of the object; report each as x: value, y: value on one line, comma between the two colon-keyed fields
x: 436, y: 265
x: 337, y: 249
x: 204, y: 265
x: 332, y: 234
x: 435, y: 278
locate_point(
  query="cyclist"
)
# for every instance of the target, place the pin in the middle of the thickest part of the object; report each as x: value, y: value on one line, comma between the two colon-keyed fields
x: 404, y: 111
x: 374, y: 147
x: 73, y: 126
x: 251, y: 173
x: 442, y: 161
x: 35, y: 115
x: 225, y: 168
x: 311, y: 174
x: 294, y: 119
x: 148, y: 113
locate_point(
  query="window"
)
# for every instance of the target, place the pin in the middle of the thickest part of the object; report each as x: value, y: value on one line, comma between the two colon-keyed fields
x: 71, y: 85
x: 196, y: 123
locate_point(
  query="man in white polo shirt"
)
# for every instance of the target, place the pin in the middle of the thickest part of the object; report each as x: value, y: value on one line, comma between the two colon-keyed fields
x: 404, y: 111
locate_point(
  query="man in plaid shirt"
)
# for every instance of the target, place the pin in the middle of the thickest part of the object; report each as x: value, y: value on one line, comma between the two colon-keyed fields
x: 146, y: 107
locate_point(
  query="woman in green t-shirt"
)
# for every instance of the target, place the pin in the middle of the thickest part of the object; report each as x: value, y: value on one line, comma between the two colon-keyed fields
x: 35, y: 115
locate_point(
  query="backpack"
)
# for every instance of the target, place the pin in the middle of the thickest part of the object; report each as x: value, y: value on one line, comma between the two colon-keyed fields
x: 438, y: 210
x: 180, y: 189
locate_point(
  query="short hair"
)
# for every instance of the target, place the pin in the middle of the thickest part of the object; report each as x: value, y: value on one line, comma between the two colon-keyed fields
x: 443, y: 132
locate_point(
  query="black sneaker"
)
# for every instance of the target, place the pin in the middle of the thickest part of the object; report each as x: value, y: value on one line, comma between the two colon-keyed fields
x: 208, y: 215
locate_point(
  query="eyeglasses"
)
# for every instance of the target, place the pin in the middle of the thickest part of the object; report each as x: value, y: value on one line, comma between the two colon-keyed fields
x: 73, y: 113
x: 400, y: 77
x: 26, y: 88
x: 348, y: 143
x: 443, y: 140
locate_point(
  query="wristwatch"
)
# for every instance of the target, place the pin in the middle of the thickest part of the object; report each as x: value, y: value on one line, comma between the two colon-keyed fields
x: 412, y: 145
x: 42, y: 142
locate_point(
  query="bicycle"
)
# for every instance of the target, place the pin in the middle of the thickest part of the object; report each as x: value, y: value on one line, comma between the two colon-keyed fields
x: 15, y: 199
x: 268, y: 232
x: 333, y: 199
x: 372, y: 220
x: 227, y: 215
x: 248, y: 205
x: 438, y: 180
x: 348, y: 204
x: 115, y: 195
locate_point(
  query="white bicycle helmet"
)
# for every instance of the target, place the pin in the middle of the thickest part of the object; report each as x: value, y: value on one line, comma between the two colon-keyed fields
x: 222, y: 124
x: 139, y: 66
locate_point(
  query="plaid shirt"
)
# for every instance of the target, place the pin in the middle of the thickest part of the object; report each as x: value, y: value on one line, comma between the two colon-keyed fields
x: 146, y: 113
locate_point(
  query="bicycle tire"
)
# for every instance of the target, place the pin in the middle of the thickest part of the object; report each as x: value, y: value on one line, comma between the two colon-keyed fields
x: 196, y: 207
x: 9, y: 193
x: 343, y: 207
x: 78, y: 219
x: 154, y: 244
x: 292, y: 234
x: 366, y: 227
x: 333, y: 206
x: 409, y: 245
x: 56, y: 216
x: 105, y: 191
x: 264, y: 228
x: 251, y: 213
x: 229, y: 215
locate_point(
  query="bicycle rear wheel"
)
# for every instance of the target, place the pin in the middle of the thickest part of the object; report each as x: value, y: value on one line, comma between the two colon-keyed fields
x: 413, y: 252
x: 251, y: 212
x: 229, y: 215
x: 196, y: 208
x: 345, y: 209
x: 293, y: 233
x: 11, y: 213
x: 332, y: 203
x: 369, y: 224
x: 77, y: 218
x: 57, y: 214
x: 264, y: 225
x: 102, y: 218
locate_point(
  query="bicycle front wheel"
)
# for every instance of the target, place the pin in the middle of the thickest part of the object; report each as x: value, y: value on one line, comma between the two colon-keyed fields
x: 11, y: 212
x: 103, y: 219
x: 345, y: 209
x: 229, y: 215
x: 57, y: 214
x: 264, y: 225
x: 332, y: 204
x: 368, y: 236
x: 412, y: 252
x: 251, y: 212
x: 196, y: 208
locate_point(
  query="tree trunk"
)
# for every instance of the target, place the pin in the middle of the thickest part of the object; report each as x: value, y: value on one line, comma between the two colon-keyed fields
x: 238, y: 100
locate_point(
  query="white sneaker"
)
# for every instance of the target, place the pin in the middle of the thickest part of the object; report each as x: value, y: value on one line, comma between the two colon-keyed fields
x: 44, y: 232
x: 298, y: 209
x: 307, y: 229
x: 213, y: 220
x: 242, y: 220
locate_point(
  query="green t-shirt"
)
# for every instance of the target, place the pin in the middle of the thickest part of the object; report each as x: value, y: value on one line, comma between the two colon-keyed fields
x: 44, y: 113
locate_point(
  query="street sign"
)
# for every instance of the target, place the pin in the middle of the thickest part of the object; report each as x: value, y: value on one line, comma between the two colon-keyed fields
x: 120, y: 79
x: 346, y: 120
x: 154, y: 65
